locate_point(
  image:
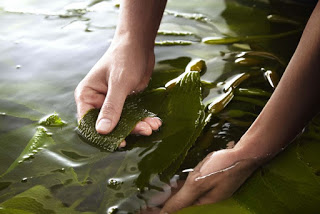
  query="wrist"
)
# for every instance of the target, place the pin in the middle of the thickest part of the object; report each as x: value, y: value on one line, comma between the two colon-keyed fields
x: 134, y: 36
x: 133, y: 39
x: 257, y: 148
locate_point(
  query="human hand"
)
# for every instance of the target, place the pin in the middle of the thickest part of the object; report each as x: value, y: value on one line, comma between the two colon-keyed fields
x: 214, y: 179
x: 125, y: 68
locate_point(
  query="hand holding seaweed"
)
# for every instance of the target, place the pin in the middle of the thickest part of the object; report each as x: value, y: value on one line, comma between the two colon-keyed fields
x: 110, y: 81
x: 135, y: 110
x: 125, y: 68
x: 214, y: 179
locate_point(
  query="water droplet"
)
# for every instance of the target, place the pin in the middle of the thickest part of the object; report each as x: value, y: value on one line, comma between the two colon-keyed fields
x: 187, y: 170
x: 112, y: 210
x: 26, y: 156
x: 114, y: 183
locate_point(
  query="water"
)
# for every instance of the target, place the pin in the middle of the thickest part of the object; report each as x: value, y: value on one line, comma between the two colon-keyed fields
x: 48, y: 47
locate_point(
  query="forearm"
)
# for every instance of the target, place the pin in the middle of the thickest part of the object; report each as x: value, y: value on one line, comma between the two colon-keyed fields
x: 295, y: 101
x: 139, y: 20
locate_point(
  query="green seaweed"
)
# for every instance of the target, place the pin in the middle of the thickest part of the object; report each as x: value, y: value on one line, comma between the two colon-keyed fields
x: 174, y: 33
x: 41, y: 139
x: 180, y: 125
x: 173, y: 43
x: 133, y: 112
x: 281, y: 19
x: 246, y: 39
x: 36, y: 200
x: 52, y: 120
x: 197, y: 65
x: 251, y: 92
x: 73, y: 183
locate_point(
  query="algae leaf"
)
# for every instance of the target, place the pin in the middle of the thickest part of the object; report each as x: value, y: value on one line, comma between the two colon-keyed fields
x: 52, y: 120
x: 40, y: 139
x: 183, y: 118
x: 182, y: 115
x: 36, y: 200
x: 133, y: 111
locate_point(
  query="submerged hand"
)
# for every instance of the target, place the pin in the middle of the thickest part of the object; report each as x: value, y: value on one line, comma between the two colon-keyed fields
x: 214, y: 179
x: 125, y: 68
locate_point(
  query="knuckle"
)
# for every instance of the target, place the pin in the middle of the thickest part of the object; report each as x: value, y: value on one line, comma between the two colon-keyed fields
x: 80, y: 94
x: 108, y: 108
x: 178, y: 204
x: 196, y: 184
x: 199, y: 201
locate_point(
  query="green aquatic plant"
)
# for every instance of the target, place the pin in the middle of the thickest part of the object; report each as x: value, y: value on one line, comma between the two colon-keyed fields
x: 180, y: 128
x: 175, y: 33
x: 251, y: 92
x: 41, y: 139
x: 197, y: 65
x: 173, y: 42
x: 52, y: 120
x: 37, y: 199
x: 133, y: 112
x: 229, y: 40
x: 71, y: 176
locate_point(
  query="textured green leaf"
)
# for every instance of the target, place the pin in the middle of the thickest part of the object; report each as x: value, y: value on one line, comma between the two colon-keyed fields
x: 133, y: 112
x: 183, y: 112
x: 52, y: 120
x: 36, y: 200
x: 40, y: 139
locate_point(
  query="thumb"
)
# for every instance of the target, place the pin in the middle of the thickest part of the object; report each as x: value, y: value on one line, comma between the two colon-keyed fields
x: 111, y: 110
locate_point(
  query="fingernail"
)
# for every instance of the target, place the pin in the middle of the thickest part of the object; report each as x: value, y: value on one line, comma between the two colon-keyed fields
x: 104, y: 125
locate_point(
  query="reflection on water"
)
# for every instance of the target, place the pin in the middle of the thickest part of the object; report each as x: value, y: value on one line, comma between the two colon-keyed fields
x: 49, y: 46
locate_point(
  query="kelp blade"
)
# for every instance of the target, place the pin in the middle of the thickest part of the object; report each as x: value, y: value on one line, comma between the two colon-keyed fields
x: 133, y: 111
x: 40, y: 139
x: 182, y: 113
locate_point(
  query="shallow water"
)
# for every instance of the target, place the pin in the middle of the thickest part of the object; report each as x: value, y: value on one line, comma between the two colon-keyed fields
x: 48, y: 47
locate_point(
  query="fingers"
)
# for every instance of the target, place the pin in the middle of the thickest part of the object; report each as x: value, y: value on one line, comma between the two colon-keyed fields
x: 142, y: 128
x: 187, y: 195
x: 111, y: 110
x: 224, y: 186
x: 227, y: 182
x: 122, y: 144
x: 154, y: 122
x: 86, y: 99
x: 184, y: 198
x: 147, y: 125
x: 82, y: 109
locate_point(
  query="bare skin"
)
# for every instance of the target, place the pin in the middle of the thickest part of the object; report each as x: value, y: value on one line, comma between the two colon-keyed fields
x: 294, y: 103
x: 127, y: 67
